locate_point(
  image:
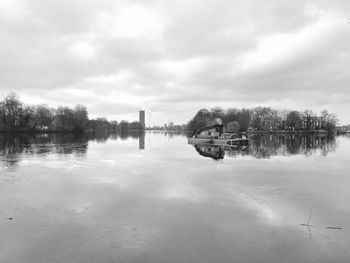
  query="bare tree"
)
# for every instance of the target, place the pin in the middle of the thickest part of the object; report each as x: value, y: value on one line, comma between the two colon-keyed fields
x: 11, y: 109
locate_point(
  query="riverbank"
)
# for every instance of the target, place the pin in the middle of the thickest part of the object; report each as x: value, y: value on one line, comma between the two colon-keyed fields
x: 325, y: 132
x: 89, y: 131
x: 33, y: 132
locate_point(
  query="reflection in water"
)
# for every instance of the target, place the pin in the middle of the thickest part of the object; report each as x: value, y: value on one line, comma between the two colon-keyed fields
x: 217, y: 152
x: 265, y: 146
x: 260, y: 146
x: 212, y: 151
x: 83, y: 199
x: 13, y: 147
x: 271, y: 145
x: 142, y: 141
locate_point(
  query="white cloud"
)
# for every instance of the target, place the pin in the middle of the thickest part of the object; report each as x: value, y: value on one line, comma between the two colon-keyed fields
x: 12, y: 9
x: 281, y: 48
x: 83, y: 49
x: 128, y: 20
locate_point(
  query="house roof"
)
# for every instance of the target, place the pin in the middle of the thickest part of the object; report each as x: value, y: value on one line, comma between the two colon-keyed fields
x: 205, y: 128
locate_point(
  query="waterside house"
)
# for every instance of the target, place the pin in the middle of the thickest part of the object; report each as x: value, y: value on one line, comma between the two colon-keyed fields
x: 212, y: 131
x: 215, y: 134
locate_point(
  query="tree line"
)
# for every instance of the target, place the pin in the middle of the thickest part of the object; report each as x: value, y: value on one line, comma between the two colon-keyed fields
x: 15, y: 116
x: 265, y: 119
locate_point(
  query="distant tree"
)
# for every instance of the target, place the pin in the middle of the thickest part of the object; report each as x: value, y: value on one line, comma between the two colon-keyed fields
x: 11, y: 110
x: 261, y: 118
x: 136, y: 126
x: 231, y: 114
x: 99, y: 125
x: 124, y: 125
x: 232, y: 126
x: 80, y: 118
x: 330, y: 120
x: 294, y: 120
x: 271, y: 119
x: 65, y: 117
x: 202, y: 118
x: 2, y: 113
x: 308, y: 115
x: 244, y: 119
x: 14, y: 114
x: 26, y: 115
x: 114, y: 125
x: 217, y: 113
x: 44, y: 115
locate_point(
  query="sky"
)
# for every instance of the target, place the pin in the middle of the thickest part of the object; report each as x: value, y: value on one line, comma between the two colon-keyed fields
x: 174, y: 57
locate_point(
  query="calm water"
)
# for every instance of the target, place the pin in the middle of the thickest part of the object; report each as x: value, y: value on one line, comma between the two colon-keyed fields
x: 154, y: 198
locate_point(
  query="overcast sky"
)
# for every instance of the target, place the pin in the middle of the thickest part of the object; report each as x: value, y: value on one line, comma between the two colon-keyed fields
x: 174, y: 57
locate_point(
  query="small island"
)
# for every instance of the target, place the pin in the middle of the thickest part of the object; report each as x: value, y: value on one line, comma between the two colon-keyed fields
x: 266, y: 119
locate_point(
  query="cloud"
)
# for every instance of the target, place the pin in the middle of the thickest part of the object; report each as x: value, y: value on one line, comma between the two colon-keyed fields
x: 176, y: 56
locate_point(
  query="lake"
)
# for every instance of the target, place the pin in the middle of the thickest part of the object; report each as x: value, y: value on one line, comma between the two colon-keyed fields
x: 151, y: 197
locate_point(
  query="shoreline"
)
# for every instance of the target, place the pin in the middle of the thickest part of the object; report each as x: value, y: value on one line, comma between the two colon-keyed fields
x: 324, y: 132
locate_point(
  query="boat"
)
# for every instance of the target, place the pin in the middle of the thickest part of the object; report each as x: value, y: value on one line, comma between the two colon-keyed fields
x: 216, y: 135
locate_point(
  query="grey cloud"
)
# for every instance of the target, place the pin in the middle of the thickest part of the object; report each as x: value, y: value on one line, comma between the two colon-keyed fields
x: 65, y: 17
x: 194, y: 61
x: 102, y: 108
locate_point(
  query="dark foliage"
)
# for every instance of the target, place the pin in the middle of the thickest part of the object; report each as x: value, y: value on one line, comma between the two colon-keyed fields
x: 15, y: 116
x: 264, y: 119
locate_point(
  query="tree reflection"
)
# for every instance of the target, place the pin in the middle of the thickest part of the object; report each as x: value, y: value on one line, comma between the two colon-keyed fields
x: 265, y: 146
x: 13, y: 147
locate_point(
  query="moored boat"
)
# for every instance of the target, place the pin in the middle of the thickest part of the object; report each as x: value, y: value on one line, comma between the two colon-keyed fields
x: 215, y: 134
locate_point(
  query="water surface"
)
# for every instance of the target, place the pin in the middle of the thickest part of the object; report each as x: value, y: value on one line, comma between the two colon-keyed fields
x: 151, y: 197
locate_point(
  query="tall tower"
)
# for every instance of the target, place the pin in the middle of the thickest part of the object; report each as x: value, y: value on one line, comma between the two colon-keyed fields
x: 142, y: 118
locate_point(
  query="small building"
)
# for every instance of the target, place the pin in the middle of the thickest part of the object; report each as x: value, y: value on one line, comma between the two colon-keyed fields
x: 312, y: 123
x: 212, y: 131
